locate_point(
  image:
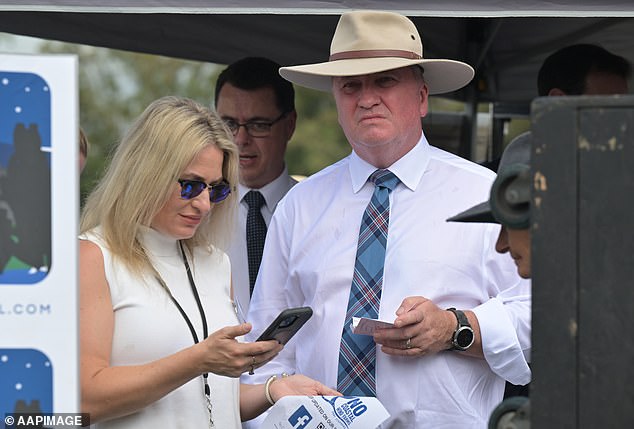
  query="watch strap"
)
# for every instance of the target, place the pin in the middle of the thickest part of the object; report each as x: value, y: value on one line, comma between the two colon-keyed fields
x: 461, y: 326
x: 462, y: 318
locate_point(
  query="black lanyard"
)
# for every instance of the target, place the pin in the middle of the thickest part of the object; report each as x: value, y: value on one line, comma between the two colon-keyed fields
x: 189, y: 322
x: 196, y: 297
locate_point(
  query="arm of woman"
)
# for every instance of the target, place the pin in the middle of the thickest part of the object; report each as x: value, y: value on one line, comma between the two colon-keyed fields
x: 254, y: 401
x: 113, y: 391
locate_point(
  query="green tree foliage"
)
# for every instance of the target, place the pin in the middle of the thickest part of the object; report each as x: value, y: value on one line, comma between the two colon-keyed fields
x: 318, y: 140
x: 115, y: 86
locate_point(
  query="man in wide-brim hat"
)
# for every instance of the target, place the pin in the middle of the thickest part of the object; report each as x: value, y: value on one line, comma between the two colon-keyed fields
x: 372, y: 42
x: 367, y: 237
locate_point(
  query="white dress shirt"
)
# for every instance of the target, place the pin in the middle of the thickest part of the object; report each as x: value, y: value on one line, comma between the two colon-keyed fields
x: 272, y: 192
x: 309, y: 258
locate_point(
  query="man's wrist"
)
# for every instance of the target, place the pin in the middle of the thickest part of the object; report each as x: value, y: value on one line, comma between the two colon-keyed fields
x: 451, y: 328
x: 463, y: 336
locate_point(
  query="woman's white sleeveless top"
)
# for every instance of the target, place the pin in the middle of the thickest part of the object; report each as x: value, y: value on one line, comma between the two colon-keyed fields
x: 148, y: 327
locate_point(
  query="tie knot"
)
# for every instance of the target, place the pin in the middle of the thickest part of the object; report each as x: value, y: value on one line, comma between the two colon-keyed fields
x: 384, y: 179
x: 254, y: 199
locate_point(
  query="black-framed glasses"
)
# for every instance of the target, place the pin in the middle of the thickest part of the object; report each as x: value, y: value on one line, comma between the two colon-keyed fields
x: 254, y: 128
x: 192, y: 188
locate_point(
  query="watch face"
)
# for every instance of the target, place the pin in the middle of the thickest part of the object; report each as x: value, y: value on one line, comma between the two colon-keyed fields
x: 464, y: 337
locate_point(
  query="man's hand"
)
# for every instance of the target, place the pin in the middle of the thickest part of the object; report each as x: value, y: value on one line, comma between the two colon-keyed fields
x: 420, y: 328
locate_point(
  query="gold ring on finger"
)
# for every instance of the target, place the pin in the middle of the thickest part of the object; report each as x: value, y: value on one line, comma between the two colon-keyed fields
x: 253, y: 363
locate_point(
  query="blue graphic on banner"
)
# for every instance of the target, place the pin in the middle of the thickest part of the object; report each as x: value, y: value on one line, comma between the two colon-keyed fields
x: 25, y: 178
x: 26, y: 382
x: 300, y: 418
x: 347, y: 408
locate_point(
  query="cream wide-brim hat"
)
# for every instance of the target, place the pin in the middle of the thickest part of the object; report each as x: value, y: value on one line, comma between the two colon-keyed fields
x: 368, y: 42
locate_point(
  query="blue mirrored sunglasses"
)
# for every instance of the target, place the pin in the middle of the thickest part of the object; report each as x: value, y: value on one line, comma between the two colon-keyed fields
x: 192, y: 188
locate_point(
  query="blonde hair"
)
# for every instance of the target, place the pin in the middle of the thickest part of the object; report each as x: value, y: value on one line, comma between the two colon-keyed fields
x: 157, y: 148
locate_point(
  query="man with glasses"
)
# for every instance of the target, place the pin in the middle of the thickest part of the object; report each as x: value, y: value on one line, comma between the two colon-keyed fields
x: 258, y: 106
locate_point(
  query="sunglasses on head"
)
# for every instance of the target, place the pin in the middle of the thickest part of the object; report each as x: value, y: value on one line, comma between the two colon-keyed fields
x: 192, y: 188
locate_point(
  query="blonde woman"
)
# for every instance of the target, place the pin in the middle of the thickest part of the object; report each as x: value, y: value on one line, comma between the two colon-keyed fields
x: 158, y: 332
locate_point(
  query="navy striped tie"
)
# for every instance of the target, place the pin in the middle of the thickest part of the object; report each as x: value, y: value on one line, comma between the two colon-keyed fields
x: 357, y: 355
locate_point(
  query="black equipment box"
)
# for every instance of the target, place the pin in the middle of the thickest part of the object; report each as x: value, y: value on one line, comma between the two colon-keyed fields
x: 583, y: 262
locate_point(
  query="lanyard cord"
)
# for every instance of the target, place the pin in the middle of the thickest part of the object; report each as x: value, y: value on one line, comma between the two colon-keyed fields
x: 196, y: 297
x: 190, y: 324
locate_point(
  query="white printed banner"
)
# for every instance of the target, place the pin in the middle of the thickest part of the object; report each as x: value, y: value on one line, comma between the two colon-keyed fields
x: 39, y: 196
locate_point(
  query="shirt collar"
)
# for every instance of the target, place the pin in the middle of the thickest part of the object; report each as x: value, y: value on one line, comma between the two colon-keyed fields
x: 409, y: 168
x: 272, y: 191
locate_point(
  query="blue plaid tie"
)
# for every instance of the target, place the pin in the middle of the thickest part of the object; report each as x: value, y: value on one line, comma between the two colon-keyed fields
x: 357, y: 356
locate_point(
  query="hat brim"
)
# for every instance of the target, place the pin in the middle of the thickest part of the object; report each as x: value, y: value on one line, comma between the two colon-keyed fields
x: 440, y: 75
x: 478, y: 213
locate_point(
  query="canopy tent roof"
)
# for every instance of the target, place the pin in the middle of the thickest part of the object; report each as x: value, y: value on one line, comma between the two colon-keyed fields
x: 484, y: 8
x: 505, y: 41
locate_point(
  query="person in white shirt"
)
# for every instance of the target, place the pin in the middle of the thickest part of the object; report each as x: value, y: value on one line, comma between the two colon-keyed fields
x: 436, y: 368
x: 509, y: 204
x: 258, y: 106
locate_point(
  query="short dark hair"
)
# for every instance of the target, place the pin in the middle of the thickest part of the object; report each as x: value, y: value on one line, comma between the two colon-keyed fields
x: 257, y: 72
x: 568, y: 68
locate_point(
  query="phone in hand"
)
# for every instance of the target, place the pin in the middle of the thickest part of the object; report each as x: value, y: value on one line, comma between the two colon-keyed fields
x: 286, y: 324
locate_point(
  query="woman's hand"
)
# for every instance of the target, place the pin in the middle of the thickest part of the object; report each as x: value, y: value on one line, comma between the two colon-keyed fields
x: 222, y: 354
x: 299, y: 385
x: 254, y: 399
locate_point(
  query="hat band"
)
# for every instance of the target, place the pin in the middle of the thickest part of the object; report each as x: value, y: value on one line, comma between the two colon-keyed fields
x: 374, y: 53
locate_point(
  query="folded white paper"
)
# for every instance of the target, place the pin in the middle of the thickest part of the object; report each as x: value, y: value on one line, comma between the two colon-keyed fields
x: 325, y: 412
x: 365, y: 326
